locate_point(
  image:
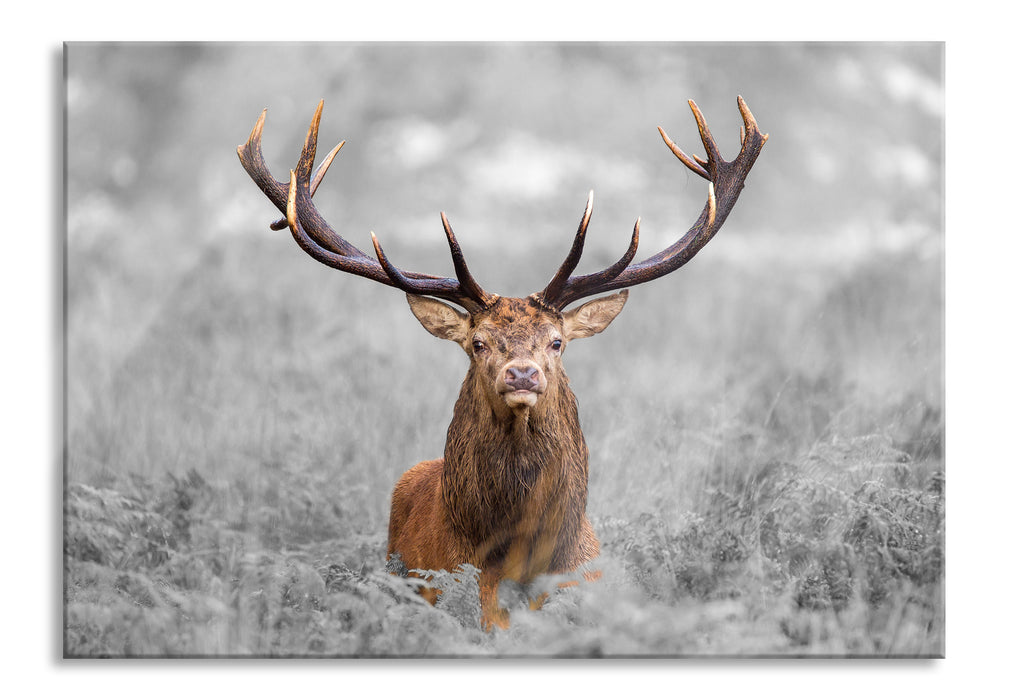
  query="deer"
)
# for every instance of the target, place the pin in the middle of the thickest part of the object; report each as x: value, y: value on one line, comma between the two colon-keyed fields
x: 509, y: 494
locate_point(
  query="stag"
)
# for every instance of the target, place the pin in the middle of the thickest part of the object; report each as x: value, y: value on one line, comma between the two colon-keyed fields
x: 509, y: 494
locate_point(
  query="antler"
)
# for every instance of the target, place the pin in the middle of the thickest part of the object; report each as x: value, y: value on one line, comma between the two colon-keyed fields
x: 725, y: 183
x: 318, y: 239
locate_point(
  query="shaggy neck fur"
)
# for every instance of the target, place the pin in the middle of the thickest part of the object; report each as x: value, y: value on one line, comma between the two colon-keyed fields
x: 515, y: 473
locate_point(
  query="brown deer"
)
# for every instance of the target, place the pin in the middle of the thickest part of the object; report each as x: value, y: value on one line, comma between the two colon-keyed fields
x: 509, y: 494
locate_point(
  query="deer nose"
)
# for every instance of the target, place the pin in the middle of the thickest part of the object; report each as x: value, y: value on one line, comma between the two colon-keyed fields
x: 527, y: 378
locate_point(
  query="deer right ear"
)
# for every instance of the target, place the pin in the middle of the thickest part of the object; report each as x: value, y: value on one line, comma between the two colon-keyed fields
x: 593, y: 316
x: 440, y: 319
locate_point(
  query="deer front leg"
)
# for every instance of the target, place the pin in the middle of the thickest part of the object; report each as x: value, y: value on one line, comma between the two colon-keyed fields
x: 493, y: 615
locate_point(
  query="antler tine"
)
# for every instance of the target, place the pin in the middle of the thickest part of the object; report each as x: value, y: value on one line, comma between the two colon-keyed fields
x: 710, y: 147
x: 621, y: 264
x: 453, y: 291
x: 683, y: 157
x: 307, y: 159
x: 251, y: 156
x: 467, y: 283
x: 398, y: 278
x: 560, y: 278
x: 749, y: 127
x: 725, y: 182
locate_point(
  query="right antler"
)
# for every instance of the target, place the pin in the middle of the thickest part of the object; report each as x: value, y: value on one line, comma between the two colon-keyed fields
x: 318, y: 239
x: 725, y: 183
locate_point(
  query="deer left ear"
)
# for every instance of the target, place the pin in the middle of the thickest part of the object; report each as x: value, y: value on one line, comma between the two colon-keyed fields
x: 439, y: 319
x: 593, y: 316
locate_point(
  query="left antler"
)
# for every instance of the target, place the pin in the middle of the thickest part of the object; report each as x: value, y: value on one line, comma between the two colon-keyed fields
x: 318, y: 239
x: 725, y: 183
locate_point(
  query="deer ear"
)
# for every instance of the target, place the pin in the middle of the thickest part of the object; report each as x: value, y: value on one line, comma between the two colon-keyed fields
x: 439, y: 319
x: 593, y: 316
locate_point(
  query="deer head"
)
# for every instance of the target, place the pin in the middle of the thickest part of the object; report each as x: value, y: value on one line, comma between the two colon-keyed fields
x: 515, y: 344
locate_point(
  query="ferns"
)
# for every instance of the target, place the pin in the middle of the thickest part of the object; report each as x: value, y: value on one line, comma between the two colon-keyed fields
x: 839, y: 553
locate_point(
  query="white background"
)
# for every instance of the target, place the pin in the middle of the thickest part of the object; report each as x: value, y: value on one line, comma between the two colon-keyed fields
x: 976, y: 349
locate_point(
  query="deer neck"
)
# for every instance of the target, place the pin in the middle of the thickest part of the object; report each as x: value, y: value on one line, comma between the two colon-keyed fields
x: 506, y: 456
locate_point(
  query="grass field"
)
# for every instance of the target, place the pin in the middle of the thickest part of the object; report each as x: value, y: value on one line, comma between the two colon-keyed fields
x: 788, y: 502
x: 765, y: 426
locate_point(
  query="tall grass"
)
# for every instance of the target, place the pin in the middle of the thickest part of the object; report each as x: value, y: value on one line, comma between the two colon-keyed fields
x: 767, y: 475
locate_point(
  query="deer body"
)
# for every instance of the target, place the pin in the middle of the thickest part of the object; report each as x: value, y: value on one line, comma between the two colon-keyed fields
x: 509, y: 494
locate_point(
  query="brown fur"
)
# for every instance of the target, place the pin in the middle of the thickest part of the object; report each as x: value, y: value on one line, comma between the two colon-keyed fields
x: 509, y: 495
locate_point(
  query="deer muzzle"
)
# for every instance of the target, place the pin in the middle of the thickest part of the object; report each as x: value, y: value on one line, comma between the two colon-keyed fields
x: 521, y: 383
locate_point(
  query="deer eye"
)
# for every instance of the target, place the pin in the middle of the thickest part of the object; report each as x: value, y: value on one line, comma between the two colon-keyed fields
x: 479, y: 346
x: 556, y: 345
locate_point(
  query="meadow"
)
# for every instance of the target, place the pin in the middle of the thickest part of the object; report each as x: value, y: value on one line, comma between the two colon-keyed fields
x: 765, y: 426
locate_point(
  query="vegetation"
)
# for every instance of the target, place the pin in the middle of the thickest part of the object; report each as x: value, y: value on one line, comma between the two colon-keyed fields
x: 841, y: 555
x: 766, y: 426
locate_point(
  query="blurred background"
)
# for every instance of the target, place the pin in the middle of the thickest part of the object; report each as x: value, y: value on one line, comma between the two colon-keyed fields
x: 198, y: 339
x: 766, y: 426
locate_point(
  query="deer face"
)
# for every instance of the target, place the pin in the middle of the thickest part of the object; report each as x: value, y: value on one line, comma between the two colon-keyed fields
x: 515, y: 345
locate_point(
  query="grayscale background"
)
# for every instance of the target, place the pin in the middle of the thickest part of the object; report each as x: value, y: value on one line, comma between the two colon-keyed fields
x: 765, y: 425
